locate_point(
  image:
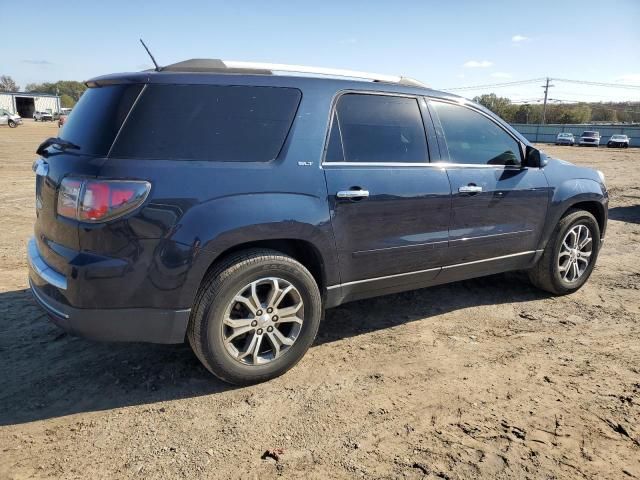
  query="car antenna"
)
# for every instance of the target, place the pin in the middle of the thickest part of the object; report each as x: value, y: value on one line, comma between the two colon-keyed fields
x: 158, y: 67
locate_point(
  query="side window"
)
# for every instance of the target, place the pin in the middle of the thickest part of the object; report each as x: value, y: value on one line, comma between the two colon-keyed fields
x: 221, y: 123
x: 473, y: 138
x: 377, y: 128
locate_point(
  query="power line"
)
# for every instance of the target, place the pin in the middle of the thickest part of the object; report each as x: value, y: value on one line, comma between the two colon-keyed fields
x: 534, y: 80
x: 494, y: 85
x: 598, y: 84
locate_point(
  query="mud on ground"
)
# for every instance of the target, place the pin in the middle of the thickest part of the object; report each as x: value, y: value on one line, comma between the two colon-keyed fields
x: 486, y: 378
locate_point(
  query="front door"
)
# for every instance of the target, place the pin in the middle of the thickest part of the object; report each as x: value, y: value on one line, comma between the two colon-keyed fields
x: 389, y: 207
x: 498, y: 205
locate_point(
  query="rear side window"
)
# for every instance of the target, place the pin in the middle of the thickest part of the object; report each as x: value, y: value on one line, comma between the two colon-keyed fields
x: 377, y: 128
x: 98, y: 116
x: 208, y: 122
x: 473, y: 138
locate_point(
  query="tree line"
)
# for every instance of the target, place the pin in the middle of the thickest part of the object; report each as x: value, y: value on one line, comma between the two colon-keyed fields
x: 69, y: 90
x: 579, y: 112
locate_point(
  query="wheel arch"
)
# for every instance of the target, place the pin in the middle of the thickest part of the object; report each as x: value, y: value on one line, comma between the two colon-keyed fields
x: 303, y: 251
x: 594, y: 208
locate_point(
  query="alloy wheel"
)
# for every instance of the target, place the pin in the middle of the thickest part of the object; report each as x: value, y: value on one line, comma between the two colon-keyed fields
x: 263, y: 321
x: 575, y: 253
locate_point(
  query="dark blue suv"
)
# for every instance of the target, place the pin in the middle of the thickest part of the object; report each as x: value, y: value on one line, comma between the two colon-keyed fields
x: 230, y: 205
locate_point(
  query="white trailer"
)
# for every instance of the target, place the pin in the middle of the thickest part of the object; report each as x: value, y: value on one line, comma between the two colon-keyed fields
x: 26, y: 103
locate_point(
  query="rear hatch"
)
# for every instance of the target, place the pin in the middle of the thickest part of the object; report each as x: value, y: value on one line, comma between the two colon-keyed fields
x: 92, y: 128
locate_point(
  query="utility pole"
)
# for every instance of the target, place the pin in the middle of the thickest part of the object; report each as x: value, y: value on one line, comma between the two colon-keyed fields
x: 546, y: 93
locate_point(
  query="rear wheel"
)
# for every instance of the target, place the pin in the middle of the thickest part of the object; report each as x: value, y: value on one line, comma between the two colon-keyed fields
x: 256, y: 315
x: 570, y: 254
x: 12, y: 124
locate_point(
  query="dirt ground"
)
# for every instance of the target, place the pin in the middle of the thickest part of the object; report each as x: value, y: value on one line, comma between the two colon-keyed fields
x: 485, y: 378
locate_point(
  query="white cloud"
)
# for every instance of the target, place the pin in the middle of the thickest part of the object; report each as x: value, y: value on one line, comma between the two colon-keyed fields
x: 477, y: 64
x: 501, y: 75
x: 629, y: 78
x: 519, y: 38
x: 460, y: 75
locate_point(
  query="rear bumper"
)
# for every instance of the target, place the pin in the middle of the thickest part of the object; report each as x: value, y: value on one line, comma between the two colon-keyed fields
x: 117, y: 324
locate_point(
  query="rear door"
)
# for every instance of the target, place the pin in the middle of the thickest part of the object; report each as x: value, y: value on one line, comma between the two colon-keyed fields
x: 498, y: 205
x: 389, y: 207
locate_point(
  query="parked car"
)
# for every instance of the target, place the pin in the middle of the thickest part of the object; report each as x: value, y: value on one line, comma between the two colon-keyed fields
x: 43, y: 116
x: 269, y: 198
x: 565, y: 138
x: 590, y: 139
x: 621, y: 141
x: 10, y: 119
x: 62, y: 119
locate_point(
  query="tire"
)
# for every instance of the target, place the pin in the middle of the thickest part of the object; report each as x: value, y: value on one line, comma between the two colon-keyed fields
x: 215, y: 301
x: 12, y: 124
x: 547, y: 274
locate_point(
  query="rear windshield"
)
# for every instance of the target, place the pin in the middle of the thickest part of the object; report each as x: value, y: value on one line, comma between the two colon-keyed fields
x: 97, y: 117
x: 208, y: 122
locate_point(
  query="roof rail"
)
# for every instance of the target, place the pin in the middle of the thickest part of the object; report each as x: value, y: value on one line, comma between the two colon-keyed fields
x: 231, y: 66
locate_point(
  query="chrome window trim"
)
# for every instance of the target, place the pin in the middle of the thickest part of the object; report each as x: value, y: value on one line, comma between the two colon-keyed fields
x: 446, y: 267
x: 431, y: 164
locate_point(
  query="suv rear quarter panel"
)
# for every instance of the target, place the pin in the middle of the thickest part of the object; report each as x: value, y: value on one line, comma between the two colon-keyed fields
x: 198, y: 209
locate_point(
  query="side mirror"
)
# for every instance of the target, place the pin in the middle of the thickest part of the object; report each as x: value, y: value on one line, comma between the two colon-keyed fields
x: 533, y: 157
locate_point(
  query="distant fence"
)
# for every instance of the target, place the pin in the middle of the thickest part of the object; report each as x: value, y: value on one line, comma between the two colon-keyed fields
x: 548, y: 133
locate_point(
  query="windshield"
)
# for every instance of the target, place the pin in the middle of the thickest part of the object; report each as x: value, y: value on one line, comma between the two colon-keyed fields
x: 565, y: 135
x: 590, y: 134
x: 97, y: 117
x: 618, y: 137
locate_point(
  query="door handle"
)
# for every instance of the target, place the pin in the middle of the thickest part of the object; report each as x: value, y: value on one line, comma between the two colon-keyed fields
x: 352, y: 194
x: 470, y: 189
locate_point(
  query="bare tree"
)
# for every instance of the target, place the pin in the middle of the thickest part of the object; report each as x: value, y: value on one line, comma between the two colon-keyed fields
x: 7, y: 84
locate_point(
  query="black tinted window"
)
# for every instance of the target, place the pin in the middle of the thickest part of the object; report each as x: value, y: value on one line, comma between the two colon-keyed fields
x: 97, y: 117
x: 473, y: 138
x: 377, y: 128
x: 334, y: 147
x: 209, y: 122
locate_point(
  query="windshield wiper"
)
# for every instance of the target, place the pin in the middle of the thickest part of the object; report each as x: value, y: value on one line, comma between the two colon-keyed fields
x: 58, y: 142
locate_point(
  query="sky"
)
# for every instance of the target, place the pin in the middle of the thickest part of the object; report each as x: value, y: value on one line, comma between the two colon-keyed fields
x: 445, y: 44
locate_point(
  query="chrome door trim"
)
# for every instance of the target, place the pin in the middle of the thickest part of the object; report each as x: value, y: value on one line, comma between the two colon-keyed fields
x: 355, y: 282
x: 502, y: 257
x: 447, y: 267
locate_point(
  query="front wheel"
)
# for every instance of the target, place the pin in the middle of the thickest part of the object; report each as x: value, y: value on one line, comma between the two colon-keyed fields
x: 12, y: 124
x: 256, y: 315
x: 570, y: 254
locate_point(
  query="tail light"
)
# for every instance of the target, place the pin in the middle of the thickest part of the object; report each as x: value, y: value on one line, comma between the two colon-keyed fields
x: 100, y: 200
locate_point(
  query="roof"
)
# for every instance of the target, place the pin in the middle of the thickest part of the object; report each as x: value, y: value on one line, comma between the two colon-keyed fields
x: 217, y: 66
x: 204, y: 65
